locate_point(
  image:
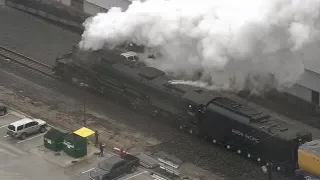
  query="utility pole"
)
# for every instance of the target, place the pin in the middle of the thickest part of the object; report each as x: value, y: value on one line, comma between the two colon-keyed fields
x: 84, y: 103
x: 268, y: 169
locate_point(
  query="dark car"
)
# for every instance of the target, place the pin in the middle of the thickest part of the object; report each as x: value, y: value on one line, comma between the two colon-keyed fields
x: 114, y: 166
x: 3, y: 109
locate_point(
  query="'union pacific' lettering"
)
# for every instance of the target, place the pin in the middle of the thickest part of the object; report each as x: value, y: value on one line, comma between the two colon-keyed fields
x: 191, y: 113
x: 247, y: 136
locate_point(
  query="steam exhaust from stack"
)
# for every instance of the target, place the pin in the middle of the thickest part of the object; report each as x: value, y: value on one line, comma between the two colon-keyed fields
x: 252, y: 44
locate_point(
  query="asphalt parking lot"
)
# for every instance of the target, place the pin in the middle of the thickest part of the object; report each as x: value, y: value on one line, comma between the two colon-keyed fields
x: 83, y: 168
x: 17, y: 162
x: 140, y: 174
x: 41, y: 163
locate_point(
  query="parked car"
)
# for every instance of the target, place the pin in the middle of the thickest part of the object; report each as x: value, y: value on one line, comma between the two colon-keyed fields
x: 114, y: 167
x: 3, y: 109
x: 24, y: 127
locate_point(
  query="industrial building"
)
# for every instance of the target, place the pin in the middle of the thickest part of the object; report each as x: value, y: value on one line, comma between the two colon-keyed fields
x: 308, y: 87
x: 93, y: 7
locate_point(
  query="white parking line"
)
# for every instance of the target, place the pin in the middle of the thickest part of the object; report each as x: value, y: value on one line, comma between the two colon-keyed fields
x: 51, y: 126
x: 87, y: 171
x: 17, y: 150
x: 5, y: 115
x: 4, y: 126
x: 7, y: 152
x: 30, y: 138
x: 135, y: 175
x: 6, y: 136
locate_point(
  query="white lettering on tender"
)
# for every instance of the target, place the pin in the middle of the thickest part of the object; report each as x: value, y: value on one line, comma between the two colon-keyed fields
x: 239, y: 133
x: 68, y: 144
x: 48, y: 141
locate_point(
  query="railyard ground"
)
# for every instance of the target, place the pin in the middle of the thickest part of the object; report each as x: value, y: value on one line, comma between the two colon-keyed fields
x: 61, y: 105
x: 112, y: 133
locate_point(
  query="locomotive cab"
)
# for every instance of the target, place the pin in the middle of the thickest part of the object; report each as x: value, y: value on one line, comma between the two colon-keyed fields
x: 195, y: 112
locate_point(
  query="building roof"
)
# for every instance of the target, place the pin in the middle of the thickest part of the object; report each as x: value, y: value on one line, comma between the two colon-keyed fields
x: 107, y: 4
x: 21, y: 122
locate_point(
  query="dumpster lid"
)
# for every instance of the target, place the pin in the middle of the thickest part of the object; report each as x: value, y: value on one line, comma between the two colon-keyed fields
x: 84, y: 132
x: 55, y: 133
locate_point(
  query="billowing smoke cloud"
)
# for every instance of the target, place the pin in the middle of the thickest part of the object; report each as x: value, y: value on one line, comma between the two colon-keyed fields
x: 228, y: 43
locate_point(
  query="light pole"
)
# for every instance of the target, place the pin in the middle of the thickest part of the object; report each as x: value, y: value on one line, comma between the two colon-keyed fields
x: 84, y: 85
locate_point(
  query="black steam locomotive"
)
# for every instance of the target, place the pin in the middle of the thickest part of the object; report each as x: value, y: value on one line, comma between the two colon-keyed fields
x: 220, y: 119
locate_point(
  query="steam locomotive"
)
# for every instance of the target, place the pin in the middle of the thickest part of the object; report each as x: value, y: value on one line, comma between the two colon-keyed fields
x: 221, y: 119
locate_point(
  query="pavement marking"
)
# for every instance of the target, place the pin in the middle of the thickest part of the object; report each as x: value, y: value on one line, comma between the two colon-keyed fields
x: 6, y: 136
x: 135, y: 175
x: 5, y: 115
x: 30, y: 138
x: 17, y: 150
x: 87, y: 170
x: 51, y: 126
x: 6, y: 152
x: 4, y: 126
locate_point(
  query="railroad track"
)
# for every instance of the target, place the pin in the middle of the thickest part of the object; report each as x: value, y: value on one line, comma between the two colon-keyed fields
x: 26, y: 61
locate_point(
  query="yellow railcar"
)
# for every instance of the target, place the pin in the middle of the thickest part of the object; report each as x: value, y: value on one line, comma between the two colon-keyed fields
x: 309, y: 157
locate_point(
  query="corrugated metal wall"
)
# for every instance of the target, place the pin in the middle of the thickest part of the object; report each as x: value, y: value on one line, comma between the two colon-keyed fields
x: 300, y: 91
x: 93, y: 9
x: 66, y: 2
x: 95, y: 6
x: 106, y: 4
x: 308, y: 87
x: 311, y: 80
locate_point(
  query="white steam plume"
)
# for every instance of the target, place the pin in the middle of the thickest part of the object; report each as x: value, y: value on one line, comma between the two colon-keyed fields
x: 201, y: 84
x: 238, y: 44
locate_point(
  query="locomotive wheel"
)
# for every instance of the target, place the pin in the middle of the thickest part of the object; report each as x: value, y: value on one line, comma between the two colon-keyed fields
x: 193, y: 132
x: 180, y: 127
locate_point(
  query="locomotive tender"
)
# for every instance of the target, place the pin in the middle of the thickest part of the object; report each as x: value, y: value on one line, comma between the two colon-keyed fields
x: 220, y: 119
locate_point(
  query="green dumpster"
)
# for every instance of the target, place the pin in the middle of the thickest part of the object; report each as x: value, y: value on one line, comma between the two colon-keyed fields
x: 53, y: 139
x: 75, y: 145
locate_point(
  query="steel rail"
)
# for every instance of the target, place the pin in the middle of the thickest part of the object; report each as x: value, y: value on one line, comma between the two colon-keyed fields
x: 26, y: 61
